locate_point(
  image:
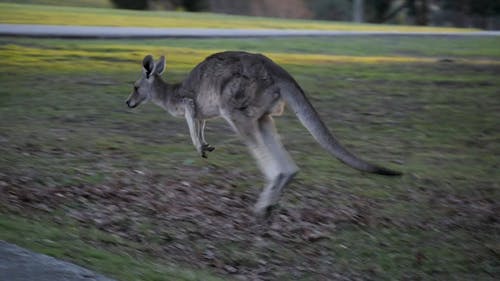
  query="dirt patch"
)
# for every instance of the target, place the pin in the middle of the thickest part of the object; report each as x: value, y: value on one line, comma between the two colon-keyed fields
x: 206, y: 225
x: 210, y: 225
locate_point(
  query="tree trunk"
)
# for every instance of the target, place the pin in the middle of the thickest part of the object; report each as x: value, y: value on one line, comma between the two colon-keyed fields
x: 422, y: 12
x: 358, y: 10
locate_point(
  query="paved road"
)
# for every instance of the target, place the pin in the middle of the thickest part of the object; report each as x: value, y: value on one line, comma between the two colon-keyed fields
x: 18, y: 264
x: 142, y: 32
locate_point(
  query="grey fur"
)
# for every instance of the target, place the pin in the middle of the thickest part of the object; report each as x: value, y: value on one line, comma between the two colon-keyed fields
x: 246, y: 90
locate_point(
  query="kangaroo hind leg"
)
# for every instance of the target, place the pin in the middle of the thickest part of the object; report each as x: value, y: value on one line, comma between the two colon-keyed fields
x: 273, y: 160
x: 285, y: 170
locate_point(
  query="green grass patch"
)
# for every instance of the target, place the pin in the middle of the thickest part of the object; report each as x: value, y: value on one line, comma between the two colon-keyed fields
x: 65, y: 133
x: 414, y: 254
x: 70, y: 243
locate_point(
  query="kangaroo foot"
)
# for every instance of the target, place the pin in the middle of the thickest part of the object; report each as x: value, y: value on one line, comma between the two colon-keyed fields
x: 207, y: 147
x: 263, y: 213
x: 204, y: 148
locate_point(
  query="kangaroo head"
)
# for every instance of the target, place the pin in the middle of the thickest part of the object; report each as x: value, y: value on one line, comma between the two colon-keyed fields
x: 143, y: 88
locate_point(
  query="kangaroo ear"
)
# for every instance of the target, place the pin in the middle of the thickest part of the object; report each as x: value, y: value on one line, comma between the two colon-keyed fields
x: 148, y: 65
x: 160, y: 65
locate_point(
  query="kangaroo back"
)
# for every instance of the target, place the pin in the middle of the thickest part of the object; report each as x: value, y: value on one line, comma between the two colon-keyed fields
x: 296, y: 99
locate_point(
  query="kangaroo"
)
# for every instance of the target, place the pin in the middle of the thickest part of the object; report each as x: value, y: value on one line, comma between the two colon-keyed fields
x: 247, y: 90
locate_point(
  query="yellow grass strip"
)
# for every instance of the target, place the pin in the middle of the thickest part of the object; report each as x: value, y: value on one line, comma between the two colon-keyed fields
x: 119, y: 58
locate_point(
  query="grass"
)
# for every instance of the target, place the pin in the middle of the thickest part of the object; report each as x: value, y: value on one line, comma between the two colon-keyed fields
x: 295, y: 52
x: 55, y: 15
x: 65, y: 242
x: 67, y: 139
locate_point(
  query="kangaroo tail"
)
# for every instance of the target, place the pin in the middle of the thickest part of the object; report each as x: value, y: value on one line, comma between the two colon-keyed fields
x: 296, y: 99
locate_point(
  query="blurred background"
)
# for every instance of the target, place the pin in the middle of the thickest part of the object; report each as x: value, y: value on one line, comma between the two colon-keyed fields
x: 484, y: 14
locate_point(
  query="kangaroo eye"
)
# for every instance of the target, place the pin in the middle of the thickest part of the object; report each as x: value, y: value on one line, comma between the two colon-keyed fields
x: 136, y: 88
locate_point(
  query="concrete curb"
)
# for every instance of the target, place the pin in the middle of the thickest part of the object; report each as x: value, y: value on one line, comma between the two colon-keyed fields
x: 18, y: 264
x: 56, y: 31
